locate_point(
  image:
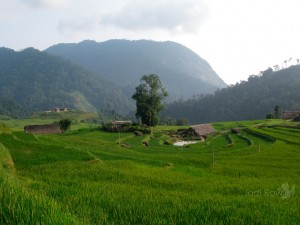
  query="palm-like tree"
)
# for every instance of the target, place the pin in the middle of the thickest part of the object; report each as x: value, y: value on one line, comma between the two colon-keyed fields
x: 290, y: 60
x: 276, y: 68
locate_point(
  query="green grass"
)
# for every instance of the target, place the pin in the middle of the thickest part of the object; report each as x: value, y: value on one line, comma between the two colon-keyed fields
x: 79, y: 120
x: 86, y: 177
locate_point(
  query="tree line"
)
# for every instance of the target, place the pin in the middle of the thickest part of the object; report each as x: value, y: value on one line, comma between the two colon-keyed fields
x: 251, y: 99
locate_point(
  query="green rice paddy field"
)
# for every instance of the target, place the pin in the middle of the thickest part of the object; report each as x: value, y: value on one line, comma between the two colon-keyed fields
x: 85, y: 176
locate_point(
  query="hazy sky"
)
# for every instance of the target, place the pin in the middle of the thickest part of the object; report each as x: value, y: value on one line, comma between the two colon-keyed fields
x: 237, y: 37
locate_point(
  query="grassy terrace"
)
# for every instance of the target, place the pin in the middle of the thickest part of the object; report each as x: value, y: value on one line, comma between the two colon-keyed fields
x: 85, y: 177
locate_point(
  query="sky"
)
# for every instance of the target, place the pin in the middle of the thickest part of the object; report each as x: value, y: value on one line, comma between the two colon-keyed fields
x: 238, y: 38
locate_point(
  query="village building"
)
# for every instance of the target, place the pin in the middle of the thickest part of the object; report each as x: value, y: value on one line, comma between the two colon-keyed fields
x: 200, y: 131
x: 60, y: 110
x: 289, y: 115
x: 43, y: 129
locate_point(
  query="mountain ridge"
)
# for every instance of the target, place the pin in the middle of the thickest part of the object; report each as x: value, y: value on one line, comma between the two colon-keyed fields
x: 37, y: 81
x: 182, y: 71
x: 251, y: 99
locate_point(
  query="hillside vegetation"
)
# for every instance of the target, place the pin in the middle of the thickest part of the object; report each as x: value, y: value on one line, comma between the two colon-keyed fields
x: 36, y: 81
x: 251, y: 99
x: 8, y: 107
x: 181, y: 71
x: 88, y: 176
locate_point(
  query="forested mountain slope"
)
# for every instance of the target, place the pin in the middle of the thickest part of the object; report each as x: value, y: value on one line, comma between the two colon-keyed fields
x: 246, y: 100
x: 181, y: 71
x: 35, y: 81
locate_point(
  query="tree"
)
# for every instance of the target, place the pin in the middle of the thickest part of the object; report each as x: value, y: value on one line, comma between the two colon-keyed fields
x: 148, y: 96
x: 290, y: 60
x: 276, y: 67
x: 277, y: 112
x: 64, y: 124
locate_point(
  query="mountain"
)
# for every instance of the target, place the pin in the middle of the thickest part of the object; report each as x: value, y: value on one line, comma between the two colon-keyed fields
x: 11, y: 108
x: 181, y: 71
x: 251, y: 99
x: 35, y: 81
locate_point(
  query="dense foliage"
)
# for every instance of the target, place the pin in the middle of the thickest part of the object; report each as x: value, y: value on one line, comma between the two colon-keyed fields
x: 181, y: 71
x: 37, y: 81
x: 64, y: 124
x: 149, y: 96
x: 252, y: 99
x: 11, y: 108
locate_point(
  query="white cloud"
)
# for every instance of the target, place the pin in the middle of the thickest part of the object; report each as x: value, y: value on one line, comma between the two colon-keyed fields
x: 238, y: 38
x: 8, y: 10
x: 171, y: 16
x: 180, y: 15
x: 53, y: 4
x: 78, y: 25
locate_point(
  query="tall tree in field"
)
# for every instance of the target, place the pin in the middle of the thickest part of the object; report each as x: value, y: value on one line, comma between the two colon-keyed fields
x: 149, y: 96
x: 277, y: 112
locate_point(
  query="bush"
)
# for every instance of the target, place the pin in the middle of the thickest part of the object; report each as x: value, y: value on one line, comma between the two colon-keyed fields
x: 297, y: 118
x: 269, y: 116
x: 64, y: 124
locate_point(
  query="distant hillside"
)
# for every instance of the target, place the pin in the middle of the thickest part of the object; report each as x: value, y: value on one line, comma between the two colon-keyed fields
x: 251, y: 99
x: 11, y: 108
x: 36, y: 81
x: 181, y: 71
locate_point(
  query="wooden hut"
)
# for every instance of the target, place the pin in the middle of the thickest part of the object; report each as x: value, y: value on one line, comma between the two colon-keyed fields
x: 289, y: 115
x: 200, y: 131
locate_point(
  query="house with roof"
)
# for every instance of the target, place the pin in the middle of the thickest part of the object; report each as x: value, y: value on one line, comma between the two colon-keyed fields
x: 289, y: 115
x: 60, y: 110
x: 200, y: 131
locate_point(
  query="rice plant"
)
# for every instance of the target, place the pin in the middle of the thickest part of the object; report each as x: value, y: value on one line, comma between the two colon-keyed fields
x: 87, y: 177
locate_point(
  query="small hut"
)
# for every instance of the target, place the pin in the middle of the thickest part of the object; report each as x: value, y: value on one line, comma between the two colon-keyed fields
x: 289, y: 115
x: 200, y: 131
x: 43, y: 129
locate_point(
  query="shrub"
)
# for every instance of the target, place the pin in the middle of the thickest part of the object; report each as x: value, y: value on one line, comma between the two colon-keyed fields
x: 297, y: 118
x: 65, y: 124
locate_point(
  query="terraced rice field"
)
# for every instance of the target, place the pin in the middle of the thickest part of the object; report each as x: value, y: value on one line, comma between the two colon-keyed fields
x: 88, y: 176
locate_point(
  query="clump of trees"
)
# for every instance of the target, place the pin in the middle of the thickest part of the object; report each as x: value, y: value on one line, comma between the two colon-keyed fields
x: 149, y: 96
x: 276, y: 114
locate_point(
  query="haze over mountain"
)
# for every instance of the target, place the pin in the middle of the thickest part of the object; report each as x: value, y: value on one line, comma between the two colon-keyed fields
x: 181, y: 71
x: 251, y: 99
x: 36, y: 81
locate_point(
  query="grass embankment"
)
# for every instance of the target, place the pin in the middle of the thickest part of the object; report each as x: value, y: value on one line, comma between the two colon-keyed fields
x: 87, y: 177
x: 19, y: 205
x: 79, y: 119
